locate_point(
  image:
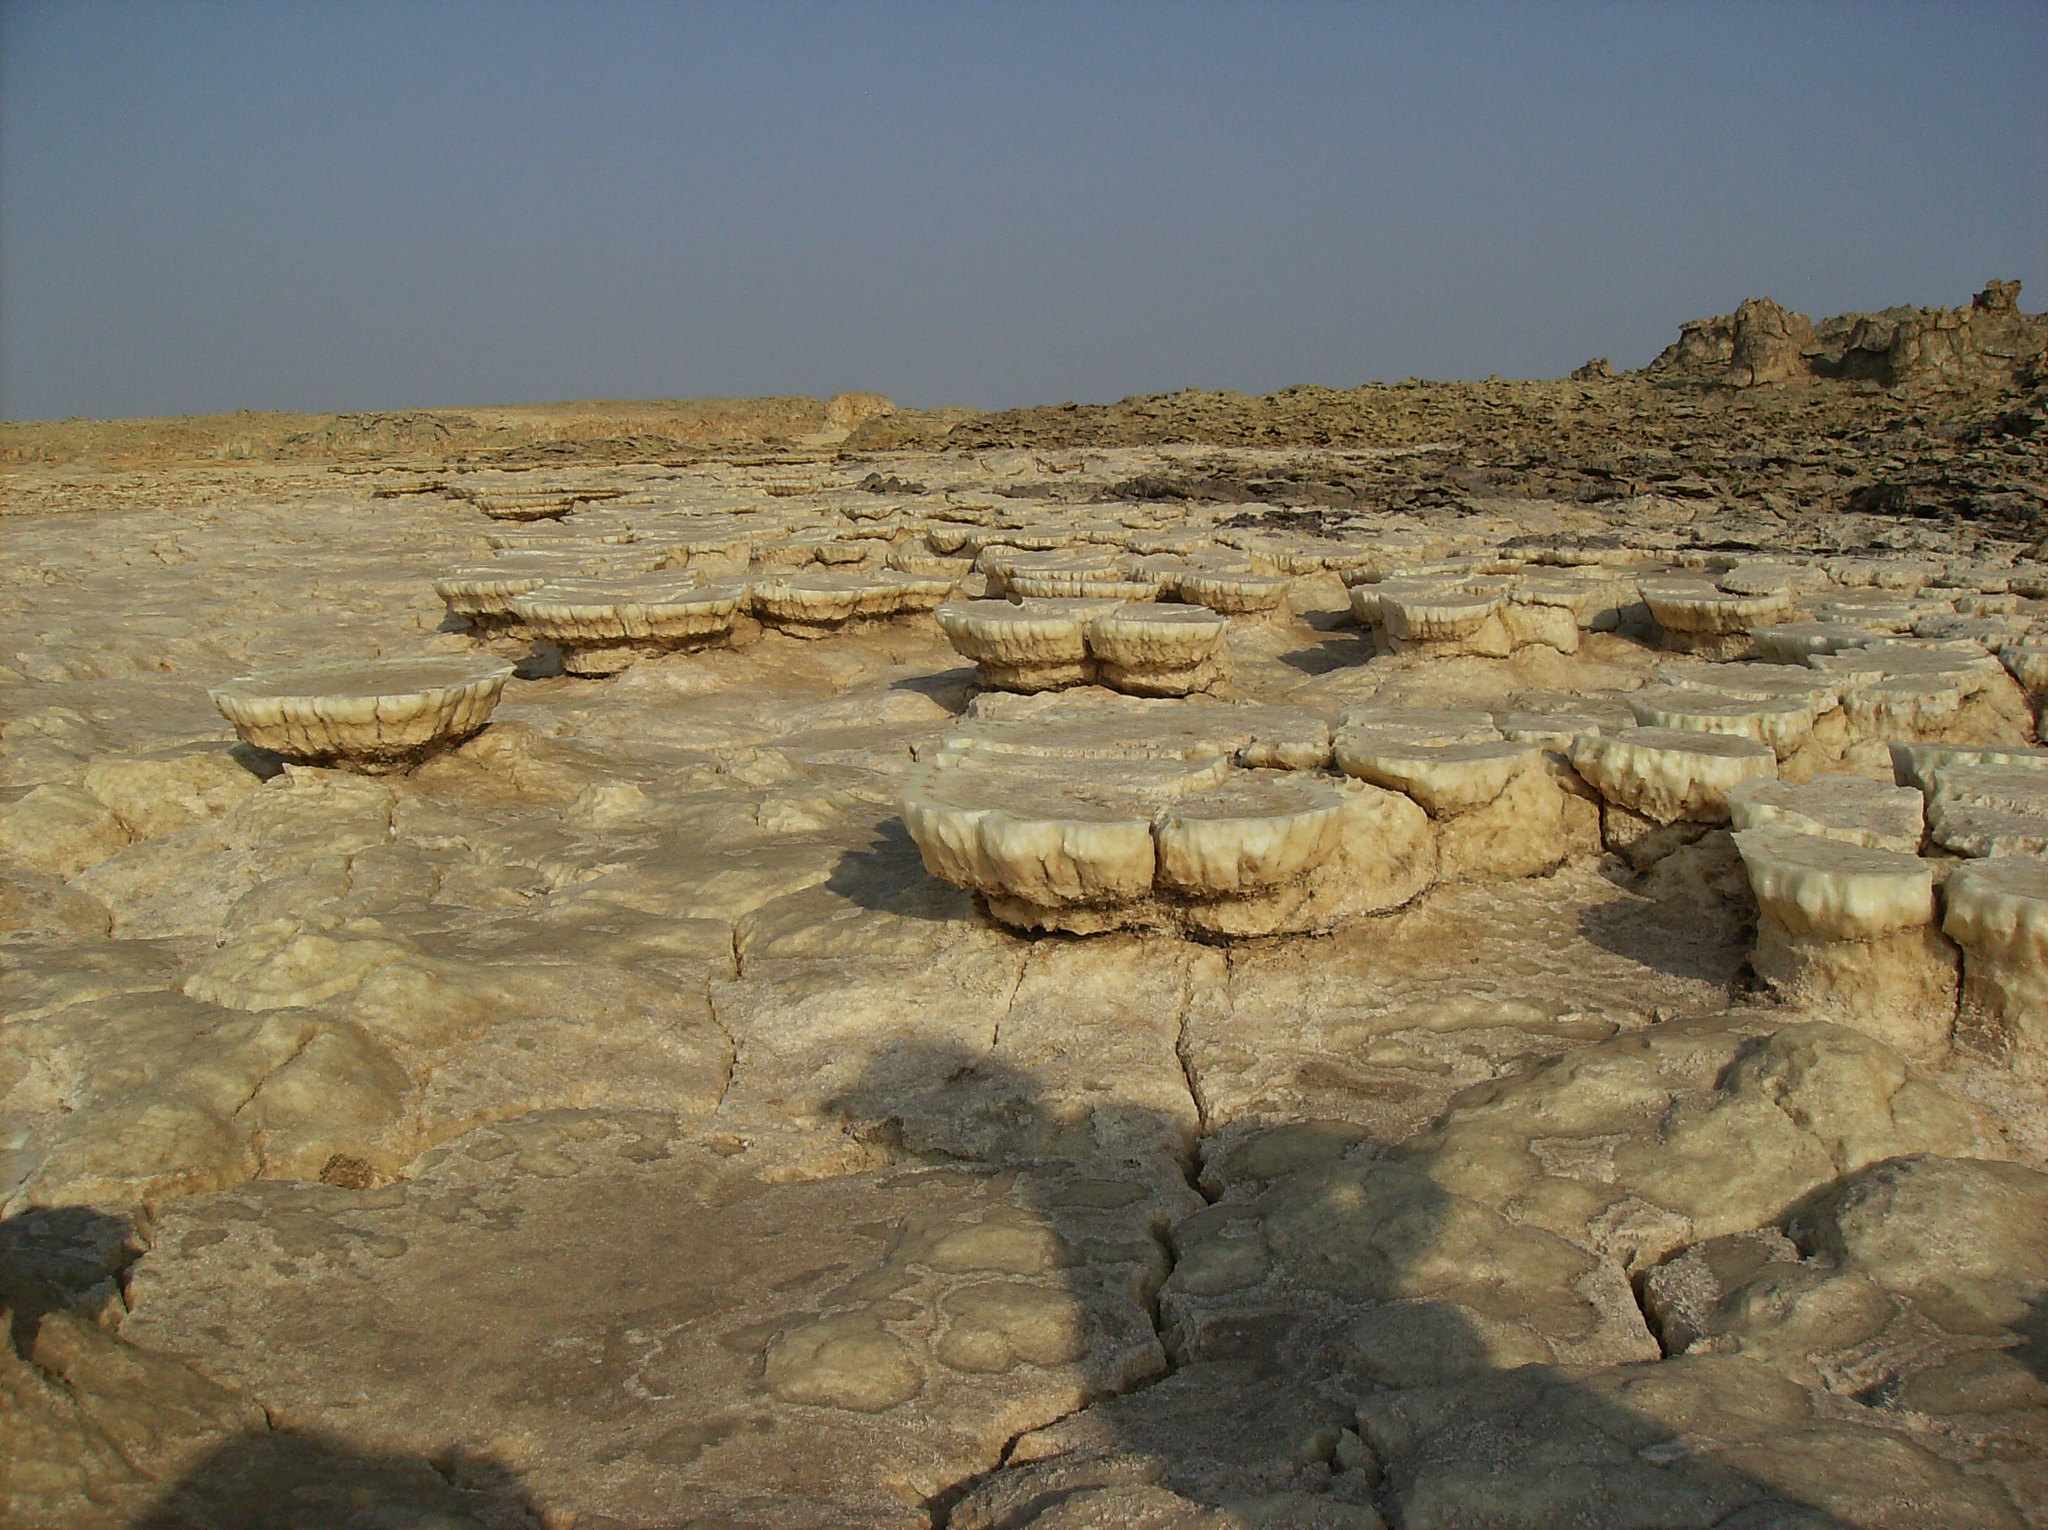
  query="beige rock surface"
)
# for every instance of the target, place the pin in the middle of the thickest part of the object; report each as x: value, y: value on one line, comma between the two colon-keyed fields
x: 1317, y: 1101
x: 704, y: 1352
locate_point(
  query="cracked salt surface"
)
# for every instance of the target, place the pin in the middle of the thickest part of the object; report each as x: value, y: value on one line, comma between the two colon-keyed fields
x: 611, y: 1120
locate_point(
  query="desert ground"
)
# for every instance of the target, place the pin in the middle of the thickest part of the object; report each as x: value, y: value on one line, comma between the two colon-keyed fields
x: 1447, y: 956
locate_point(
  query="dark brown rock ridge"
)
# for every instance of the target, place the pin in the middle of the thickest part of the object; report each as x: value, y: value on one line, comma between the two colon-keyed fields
x: 1990, y: 344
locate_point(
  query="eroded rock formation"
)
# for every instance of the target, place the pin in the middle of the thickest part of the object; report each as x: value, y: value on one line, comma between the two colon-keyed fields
x: 1440, y: 956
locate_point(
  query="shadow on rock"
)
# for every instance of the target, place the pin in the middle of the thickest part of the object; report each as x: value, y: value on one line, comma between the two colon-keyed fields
x: 64, y: 1259
x: 950, y: 688
x: 1344, y: 649
x: 888, y: 876
x: 278, y: 1480
x: 1700, y: 943
x: 100, y: 1434
x: 1347, y: 1344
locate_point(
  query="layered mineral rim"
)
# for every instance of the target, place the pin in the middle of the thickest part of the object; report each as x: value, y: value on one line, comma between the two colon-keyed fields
x: 602, y: 625
x: 1138, y: 647
x: 373, y: 715
x: 1195, y: 843
x: 825, y: 600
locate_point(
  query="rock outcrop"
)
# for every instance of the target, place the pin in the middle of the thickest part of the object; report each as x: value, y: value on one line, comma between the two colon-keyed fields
x: 1989, y: 345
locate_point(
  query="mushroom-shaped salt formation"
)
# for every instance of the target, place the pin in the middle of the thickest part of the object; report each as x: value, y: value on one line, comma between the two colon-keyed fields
x: 1499, y: 812
x: 832, y: 548
x: 1092, y: 573
x: 375, y: 716
x: 1698, y: 616
x: 1915, y: 679
x: 1989, y: 810
x: 1997, y: 911
x: 1277, y: 738
x: 556, y: 538
x: 1761, y: 577
x: 817, y: 602
x: 1064, y: 586
x: 1796, y: 642
x: 1034, y: 645
x: 1155, y: 650
x: 533, y: 504
x: 1666, y: 774
x: 1041, y: 537
x: 1663, y: 787
x: 709, y: 549
x: 1849, y: 930
x: 1230, y: 593
x: 1435, y: 616
x: 483, y: 594
x: 1915, y: 764
x: 1091, y: 844
x: 928, y: 563
x: 603, y: 625
x: 1969, y: 667
x: 1548, y: 611
x: 1904, y: 706
x: 1879, y: 573
x: 1853, y: 809
x: 1960, y: 632
x: 1768, y: 702
x: 1782, y: 722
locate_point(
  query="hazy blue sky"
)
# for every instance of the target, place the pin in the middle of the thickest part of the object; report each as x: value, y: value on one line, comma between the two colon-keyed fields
x: 367, y: 205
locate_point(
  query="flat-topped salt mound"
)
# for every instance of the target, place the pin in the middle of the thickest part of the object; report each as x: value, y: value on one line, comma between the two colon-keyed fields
x: 522, y: 504
x: 1847, y: 930
x: 1220, y: 830
x: 1989, y: 810
x: 1854, y: 809
x: 1782, y: 722
x: 483, y: 593
x: 1094, y: 844
x: 829, y: 599
x: 1969, y: 830
x: 372, y: 715
x: 1794, y: 642
x: 1044, y: 537
x: 1118, y: 729
x: 587, y: 532
x: 1914, y: 764
x: 1157, y: 650
x: 603, y: 624
x: 1814, y: 884
x: 1233, y: 593
x: 2026, y: 660
x: 2001, y: 905
x: 1032, y: 645
x: 1698, y: 616
x: 1666, y: 774
x: 1556, y: 730
x: 2009, y: 787
x: 1755, y: 682
x: 1996, y: 909
x: 1449, y: 762
x: 1893, y: 659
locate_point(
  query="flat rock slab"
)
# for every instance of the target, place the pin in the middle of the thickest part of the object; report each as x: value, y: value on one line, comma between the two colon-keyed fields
x: 645, y: 1327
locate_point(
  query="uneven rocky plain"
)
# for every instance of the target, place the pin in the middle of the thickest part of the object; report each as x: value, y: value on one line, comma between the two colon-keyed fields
x: 610, y: 1119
